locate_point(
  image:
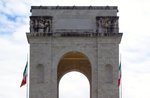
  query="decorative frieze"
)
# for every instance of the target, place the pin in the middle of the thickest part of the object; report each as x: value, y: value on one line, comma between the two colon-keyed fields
x: 40, y: 24
x: 107, y: 24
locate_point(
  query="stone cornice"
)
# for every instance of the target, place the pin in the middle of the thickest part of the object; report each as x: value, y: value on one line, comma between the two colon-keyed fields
x: 73, y: 34
x: 76, y: 7
x: 102, y: 38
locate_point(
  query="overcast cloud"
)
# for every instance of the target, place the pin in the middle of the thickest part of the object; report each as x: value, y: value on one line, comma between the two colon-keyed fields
x: 135, y: 45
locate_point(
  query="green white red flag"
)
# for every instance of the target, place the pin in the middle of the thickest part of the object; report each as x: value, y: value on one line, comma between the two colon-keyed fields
x: 119, y: 75
x: 25, y: 73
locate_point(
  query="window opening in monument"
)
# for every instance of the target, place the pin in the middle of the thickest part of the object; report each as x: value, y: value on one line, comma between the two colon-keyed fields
x: 74, y: 85
x: 108, y: 73
x: 40, y: 73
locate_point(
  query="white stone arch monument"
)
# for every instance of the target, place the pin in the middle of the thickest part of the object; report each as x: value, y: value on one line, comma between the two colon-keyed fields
x: 80, y: 38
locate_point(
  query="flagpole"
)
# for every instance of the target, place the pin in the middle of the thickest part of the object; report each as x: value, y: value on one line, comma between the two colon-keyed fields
x: 121, y: 84
x: 121, y: 89
x: 121, y: 79
x: 27, y: 79
x: 27, y: 90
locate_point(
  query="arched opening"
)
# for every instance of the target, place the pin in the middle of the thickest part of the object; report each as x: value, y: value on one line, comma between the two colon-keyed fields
x: 74, y: 61
x: 74, y: 85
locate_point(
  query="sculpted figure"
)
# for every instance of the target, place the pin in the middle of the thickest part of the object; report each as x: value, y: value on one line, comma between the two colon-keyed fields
x: 115, y: 25
x: 31, y: 26
x: 107, y: 24
x: 40, y: 24
x: 47, y: 26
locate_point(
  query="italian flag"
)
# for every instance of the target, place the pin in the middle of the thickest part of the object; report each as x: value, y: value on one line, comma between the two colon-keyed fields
x: 119, y: 75
x: 25, y: 73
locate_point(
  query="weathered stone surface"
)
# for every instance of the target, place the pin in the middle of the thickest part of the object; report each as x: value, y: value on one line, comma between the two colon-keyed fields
x: 73, y: 44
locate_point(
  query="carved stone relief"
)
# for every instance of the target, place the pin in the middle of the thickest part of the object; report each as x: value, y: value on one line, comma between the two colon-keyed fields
x: 40, y: 24
x: 107, y: 24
